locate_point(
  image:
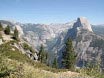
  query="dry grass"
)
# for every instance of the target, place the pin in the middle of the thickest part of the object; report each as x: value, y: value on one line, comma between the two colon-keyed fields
x: 13, y: 64
x: 25, y: 70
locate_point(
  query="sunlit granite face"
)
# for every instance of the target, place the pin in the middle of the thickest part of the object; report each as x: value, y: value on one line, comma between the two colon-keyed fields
x: 83, y: 22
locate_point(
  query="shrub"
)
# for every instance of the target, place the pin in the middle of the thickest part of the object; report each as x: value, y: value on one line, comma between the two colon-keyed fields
x: 1, y: 27
x: 7, y: 30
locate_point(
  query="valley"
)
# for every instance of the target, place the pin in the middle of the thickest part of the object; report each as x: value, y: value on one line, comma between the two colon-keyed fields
x: 23, y: 50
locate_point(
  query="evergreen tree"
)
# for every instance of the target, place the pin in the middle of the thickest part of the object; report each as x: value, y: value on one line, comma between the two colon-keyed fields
x: 42, y: 55
x: 46, y: 58
x: 55, y: 64
x: 15, y: 36
x: 7, y: 30
x: 1, y: 27
x: 68, y: 57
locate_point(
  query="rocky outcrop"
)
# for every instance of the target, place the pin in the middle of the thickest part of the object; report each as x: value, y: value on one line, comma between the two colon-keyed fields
x: 54, y: 36
x: 83, y: 38
x: 83, y: 23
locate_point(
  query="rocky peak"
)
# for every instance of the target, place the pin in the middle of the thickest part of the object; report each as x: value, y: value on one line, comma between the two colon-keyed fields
x: 83, y: 23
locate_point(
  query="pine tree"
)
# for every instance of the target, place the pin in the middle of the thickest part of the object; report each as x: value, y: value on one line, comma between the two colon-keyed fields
x: 68, y: 57
x: 46, y: 57
x: 15, y: 36
x: 7, y: 30
x: 1, y: 27
x: 42, y: 55
x: 55, y: 64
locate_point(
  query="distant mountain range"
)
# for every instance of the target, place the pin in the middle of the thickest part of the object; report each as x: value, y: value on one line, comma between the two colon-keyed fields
x: 87, y: 39
x: 98, y: 29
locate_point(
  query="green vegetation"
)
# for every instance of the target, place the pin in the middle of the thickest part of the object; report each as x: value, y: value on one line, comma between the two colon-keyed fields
x: 1, y: 27
x: 42, y: 55
x: 14, y: 64
x: 27, y: 47
x: 93, y: 72
x: 100, y: 44
x: 12, y: 52
x: 0, y: 36
x: 55, y: 63
x: 6, y: 50
x: 15, y: 35
x: 10, y: 68
x: 7, y: 30
x: 69, y: 57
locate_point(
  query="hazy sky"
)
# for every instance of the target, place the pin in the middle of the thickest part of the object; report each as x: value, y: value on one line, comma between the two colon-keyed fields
x: 52, y: 11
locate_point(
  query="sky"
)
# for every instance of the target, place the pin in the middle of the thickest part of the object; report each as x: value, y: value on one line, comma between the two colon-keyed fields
x: 52, y: 11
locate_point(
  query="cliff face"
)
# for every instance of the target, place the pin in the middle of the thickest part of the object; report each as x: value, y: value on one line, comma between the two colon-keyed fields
x: 83, y: 23
x: 87, y: 45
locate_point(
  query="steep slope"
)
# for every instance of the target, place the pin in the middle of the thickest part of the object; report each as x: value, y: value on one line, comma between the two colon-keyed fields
x: 14, y: 64
x: 44, y: 34
x: 10, y: 68
x: 88, y: 47
x: 37, y: 34
x: 53, y: 37
x: 84, y: 41
x: 83, y: 23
